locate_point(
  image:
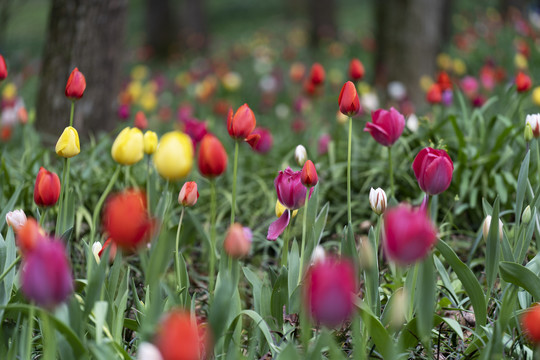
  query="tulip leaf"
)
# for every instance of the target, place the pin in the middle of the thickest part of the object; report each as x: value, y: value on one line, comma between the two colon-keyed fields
x: 425, y: 300
x: 371, y: 274
x: 9, y: 206
x: 493, y: 248
x: 522, y: 246
x: 259, y: 321
x: 522, y: 187
x: 521, y: 276
x: 294, y: 268
x: 280, y: 296
x: 316, y: 232
x: 379, y: 335
x: 8, y: 253
x: 289, y: 353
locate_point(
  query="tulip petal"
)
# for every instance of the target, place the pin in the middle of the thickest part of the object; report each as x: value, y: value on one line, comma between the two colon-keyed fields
x: 278, y: 226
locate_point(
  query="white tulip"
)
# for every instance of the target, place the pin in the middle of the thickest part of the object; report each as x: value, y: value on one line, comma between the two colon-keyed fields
x: 377, y: 200
x: 16, y: 219
x: 300, y: 155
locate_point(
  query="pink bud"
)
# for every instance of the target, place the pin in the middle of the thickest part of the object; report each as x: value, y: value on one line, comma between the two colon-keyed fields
x: 433, y: 169
x: 188, y: 194
x: 238, y: 241
x: 386, y: 126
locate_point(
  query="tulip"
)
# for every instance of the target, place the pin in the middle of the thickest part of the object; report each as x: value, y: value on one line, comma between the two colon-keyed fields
x: 126, y: 219
x: 195, y: 129
x: 140, y: 120
x: 444, y: 81
x: 266, y: 141
x: 319, y: 255
x: 46, y: 188
x: 68, y: 144
x: 29, y: 236
x: 212, y: 157
x: 96, y: 250
x: 447, y: 97
x: 356, y: 70
x: 397, y: 90
x: 309, y: 176
x: 469, y: 85
x: 3, y: 68
x: 530, y: 322
x: 147, y: 351
x: 377, y: 200
x: 349, y: 104
x: 536, y: 96
x: 76, y: 85
x: 16, y: 219
x: 329, y: 291
x: 434, y: 94
x: 188, y: 194
x: 523, y: 82
x: 280, y: 209
x: 237, y: 242
x: 316, y: 74
x: 528, y: 133
x: 174, y: 155
x: 487, y: 224
x: 433, y: 169
x: 300, y: 155
x: 179, y: 337
x: 534, y: 121
x: 109, y: 243
x: 386, y: 126
x: 252, y: 140
x: 128, y: 147
x: 408, y: 234
x: 46, y: 275
x: 324, y: 141
x: 242, y: 123
x: 150, y: 141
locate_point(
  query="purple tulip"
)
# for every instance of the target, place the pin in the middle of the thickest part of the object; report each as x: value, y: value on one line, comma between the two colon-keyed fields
x: 386, y: 126
x: 266, y: 141
x: 46, y: 275
x: 447, y: 97
x: 291, y: 194
x: 433, y: 169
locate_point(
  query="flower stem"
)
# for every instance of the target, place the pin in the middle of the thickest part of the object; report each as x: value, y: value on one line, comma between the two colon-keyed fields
x: 61, y: 220
x: 285, y: 249
x: 177, y: 255
x: 148, y: 184
x: 100, y: 202
x: 303, y: 248
x: 72, y: 112
x: 349, y: 151
x: 235, y: 171
x: 391, y: 171
x: 10, y: 267
x: 30, y: 329
x: 211, y: 272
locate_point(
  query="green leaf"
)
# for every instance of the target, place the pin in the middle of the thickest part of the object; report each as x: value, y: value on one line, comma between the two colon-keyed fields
x: 294, y: 267
x: 493, y: 248
x: 522, y: 187
x: 280, y: 296
x: 425, y: 300
x: 9, y: 206
x: 379, y: 335
x: 521, y: 276
x: 289, y: 353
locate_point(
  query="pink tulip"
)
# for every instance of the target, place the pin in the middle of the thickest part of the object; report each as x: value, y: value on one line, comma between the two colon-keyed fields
x: 329, y: 291
x: 408, y: 234
x: 324, y: 140
x: 433, y: 169
x: 265, y: 142
x: 469, y: 85
x: 386, y: 126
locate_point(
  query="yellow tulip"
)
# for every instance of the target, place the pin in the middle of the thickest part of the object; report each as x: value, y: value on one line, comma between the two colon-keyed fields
x: 174, y: 155
x: 139, y: 72
x: 459, y: 67
x: 280, y: 209
x: 68, y: 143
x: 9, y: 92
x: 128, y: 146
x: 150, y: 140
x: 521, y: 61
x: 536, y: 96
x: 148, y: 101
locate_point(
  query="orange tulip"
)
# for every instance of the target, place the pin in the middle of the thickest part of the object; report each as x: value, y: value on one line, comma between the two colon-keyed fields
x: 242, y: 123
x: 212, y: 156
x: 46, y: 188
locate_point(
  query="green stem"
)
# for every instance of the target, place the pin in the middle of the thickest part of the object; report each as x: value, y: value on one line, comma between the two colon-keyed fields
x: 148, y: 184
x: 211, y: 272
x: 126, y: 175
x: 349, y: 151
x: 303, y: 248
x: 235, y: 171
x: 538, y: 159
x: 61, y: 220
x: 42, y: 217
x: 391, y: 170
x: 72, y: 112
x: 177, y: 254
x: 29, y: 334
x: 10, y: 267
x: 285, y: 249
x: 100, y: 202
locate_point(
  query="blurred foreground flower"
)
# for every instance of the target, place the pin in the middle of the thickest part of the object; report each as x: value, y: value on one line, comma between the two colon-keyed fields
x: 433, y: 169
x: 46, y: 188
x: 180, y: 338
x: 386, y: 126
x: 188, y: 194
x: 523, y: 82
x: 29, y: 235
x: 3, y: 68
x: 530, y: 322
x: 237, y: 242
x: 212, y: 157
x: 128, y: 147
x: 76, y: 85
x: 68, y: 145
x: 16, y: 219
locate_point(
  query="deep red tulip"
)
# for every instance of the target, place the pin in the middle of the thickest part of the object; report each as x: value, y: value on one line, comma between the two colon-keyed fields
x: 76, y: 85
x: 179, y: 337
x: 3, y: 68
x: 444, y: 81
x: 523, y: 82
x: 356, y: 70
x: 126, y: 219
x: 317, y: 74
x: 349, y: 104
x: 408, y: 234
x: 309, y: 176
x: 46, y: 188
x: 242, y: 123
x: 530, y: 322
x: 386, y: 126
x: 212, y: 156
x: 433, y: 169
x: 434, y: 94
x: 46, y: 275
x: 329, y: 291
x: 266, y: 141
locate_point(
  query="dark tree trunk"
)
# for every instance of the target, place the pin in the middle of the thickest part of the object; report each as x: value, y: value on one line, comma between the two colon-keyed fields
x: 322, y: 15
x: 87, y: 34
x: 161, y: 34
x: 409, y: 35
x: 194, y: 32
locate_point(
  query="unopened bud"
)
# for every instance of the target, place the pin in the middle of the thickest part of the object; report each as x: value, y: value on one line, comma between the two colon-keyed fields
x: 300, y: 155
x: 318, y: 255
x: 365, y: 254
x: 96, y: 249
x: 528, y: 133
x: 377, y: 200
x: 399, y: 308
x: 487, y: 224
x: 526, y: 216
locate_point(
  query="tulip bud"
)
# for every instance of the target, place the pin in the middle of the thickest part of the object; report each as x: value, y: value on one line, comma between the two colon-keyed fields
x: 523, y: 82
x: 3, y: 68
x: 530, y: 322
x: 150, y: 141
x: 188, y: 194
x: 433, y: 169
x: 29, y: 235
x: 96, y: 249
x: 487, y: 225
x: 434, y: 94
x: 140, y: 120
x: 533, y: 120
x: 68, y: 144
x: 280, y: 209
x: 46, y: 188
x: 309, y: 176
x: 317, y: 74
x: 174, y: 155
x: 16, y: 219
x: 147, y: 351
x: 349, y: 103
x: 536, y: 96
x: 318, y: 255
x: 528, y: 133
x: 526, y: 216
x: 242, y: 123
x: 212, y: 157
x: 356, y: 70
x: 128, y: 147
x: 399, y: 308
x: 300, y: 155
x: 377, y: 200
x: 237, y: 242
x: 76, y: 85
x: 365, y: 254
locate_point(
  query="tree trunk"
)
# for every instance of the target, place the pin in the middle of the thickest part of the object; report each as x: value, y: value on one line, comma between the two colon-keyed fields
x: 409, y: 35
x: 322, y: 15
x: 87, y: 34
x: 161, y: 34
x: 194, y: 32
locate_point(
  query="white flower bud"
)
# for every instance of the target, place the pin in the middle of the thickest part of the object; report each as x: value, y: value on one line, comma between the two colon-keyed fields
x: 16, y: 219
x: 534, y: 121
x: 487, y: 224
x: 96, y: 248
x: 148, y: 351
x: 377, y: 200
x: 300, y: 155
x: 318, y: 255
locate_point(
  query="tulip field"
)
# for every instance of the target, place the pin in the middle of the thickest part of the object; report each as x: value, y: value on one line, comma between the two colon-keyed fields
x: 273, y: 207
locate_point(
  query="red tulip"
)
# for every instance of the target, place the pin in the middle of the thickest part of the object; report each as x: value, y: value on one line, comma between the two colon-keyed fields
x: 29, y: 236
x: 530, y: 322
x: 356, y: 70
x: 237, y: 242
x: 349, y: 104
x: 112, y: 252
x: 3, y: 68
x: 444, y: 81
x: 188, y: 194
x: 386, y: 126
x: 46, y: 188
x: 242, y: 123
x: 434, y: 94
x: 309, y: 176
x: 212, y: 156
x: 523, y: 82
x: 329, y: 291
x: 179, y: 337
x: 140, y: 120
x: 317, y: 74
x: 265, y: 142
x: 126, y: 219
x: 408, y: 234
x: 76, y: 85
x: 433, y: 169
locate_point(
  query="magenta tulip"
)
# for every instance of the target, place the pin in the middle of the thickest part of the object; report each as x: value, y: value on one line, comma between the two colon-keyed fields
x: 265, y: 142
x: 433, y: 169
x: 408, y: 234
x: 329, y: 291
x: 386, y: 126
x: 46, y: 275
